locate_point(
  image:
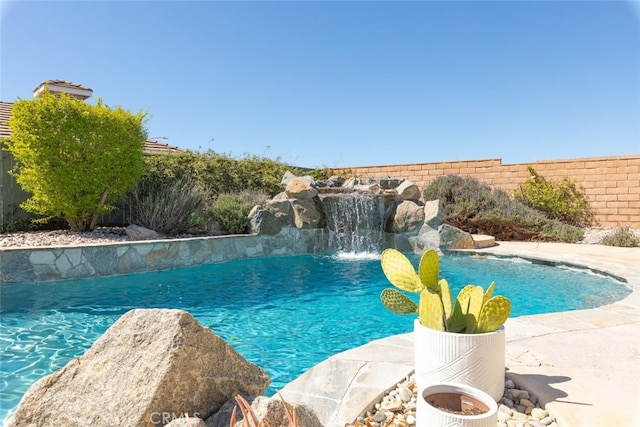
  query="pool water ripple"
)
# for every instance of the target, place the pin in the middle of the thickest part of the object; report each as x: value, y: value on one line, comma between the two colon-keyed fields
x: 285, y: 314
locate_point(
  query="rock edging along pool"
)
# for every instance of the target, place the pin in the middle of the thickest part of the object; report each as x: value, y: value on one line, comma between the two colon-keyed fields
x: 283, y: 313
x: 76, y: 262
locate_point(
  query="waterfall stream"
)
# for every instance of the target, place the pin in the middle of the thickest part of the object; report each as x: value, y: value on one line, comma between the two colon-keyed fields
x: 357, y: 221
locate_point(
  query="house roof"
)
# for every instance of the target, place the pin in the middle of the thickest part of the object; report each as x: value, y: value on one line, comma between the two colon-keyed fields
x: 71, y: 88
x: 5, y: 113
x: 150, y: 146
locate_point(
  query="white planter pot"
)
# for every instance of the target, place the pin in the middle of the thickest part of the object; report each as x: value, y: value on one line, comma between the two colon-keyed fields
x: 473, y: 359
x: 456, y: 397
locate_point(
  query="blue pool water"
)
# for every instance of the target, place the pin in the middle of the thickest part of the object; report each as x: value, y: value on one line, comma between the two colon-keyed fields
x: 285, y: 314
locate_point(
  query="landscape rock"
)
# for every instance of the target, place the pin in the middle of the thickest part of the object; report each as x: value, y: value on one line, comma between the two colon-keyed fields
x: 300, y: 188
x: 409, y: 191
x: 261, y: 221
x: 269, y: 410
x: 454, y: 238
x: 308, y: 213
x: 434, y: 213
x: 151, y: 364
x: 137, y: 232
x: 332, y: 181
x: 272, y: 413
x: 409, y: 217
x: 214, y: 228
x: 373, y: 188
x: 286, y: 178
x: 222, y: 417
x: 281, y: 208
x: 389, y: 183
x: 350, y: 183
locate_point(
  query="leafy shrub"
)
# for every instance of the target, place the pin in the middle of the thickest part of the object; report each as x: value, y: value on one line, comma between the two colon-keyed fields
x: 220, y: 173
x: 231, y: 210
x: 75, y: 158
x: 192, y: 189
x: 563, y: 200
x: 171, y: 207
x: 479, y: 209
x: 622, y: 237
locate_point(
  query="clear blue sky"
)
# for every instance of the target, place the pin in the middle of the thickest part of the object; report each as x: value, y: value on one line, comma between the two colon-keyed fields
x: 348, y: 83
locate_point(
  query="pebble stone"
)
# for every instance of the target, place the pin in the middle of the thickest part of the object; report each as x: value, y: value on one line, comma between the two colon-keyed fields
x: 397, y: 408
x: 46, y: 238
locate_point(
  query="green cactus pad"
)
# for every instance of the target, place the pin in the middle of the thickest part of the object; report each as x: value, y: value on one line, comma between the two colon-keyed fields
x: 456, y: 323
x: 431, y: 311
x: 445, y: 296
x: 476, y: 298
x: 429, y: 269
x: 493, y: 315
x: 397, y: 302
x: 463, y: 298
x: 399, y: 271
x: 489, y: 293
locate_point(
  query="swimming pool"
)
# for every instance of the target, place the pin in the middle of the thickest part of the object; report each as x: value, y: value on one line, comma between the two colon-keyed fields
x: 285, y: 314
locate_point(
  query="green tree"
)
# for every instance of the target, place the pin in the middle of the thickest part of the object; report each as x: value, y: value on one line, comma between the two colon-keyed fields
x: 73, y: 157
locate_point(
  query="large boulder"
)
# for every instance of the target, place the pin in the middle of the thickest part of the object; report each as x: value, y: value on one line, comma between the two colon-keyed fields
x: 149, y: 367
x: 286, y: 178
x: 300, y: 188
x: 453, y: 238
x: 409, y: 217
x: 281, y: 208
x: 427, y: 238
x: 409, y: 191
x: 434, y: 213
x: 261, y: 221
x: 308, y: 213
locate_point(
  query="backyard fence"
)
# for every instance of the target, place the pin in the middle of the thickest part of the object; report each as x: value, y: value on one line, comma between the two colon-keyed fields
x: 611, y: 184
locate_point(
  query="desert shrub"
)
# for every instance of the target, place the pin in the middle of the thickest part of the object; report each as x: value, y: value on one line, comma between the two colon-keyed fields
x: 217, y: 187
x: 622, y: 237
x: 230, y: 210
x: 479, y: 209
x: 170, y: 207
x: 563, y: 200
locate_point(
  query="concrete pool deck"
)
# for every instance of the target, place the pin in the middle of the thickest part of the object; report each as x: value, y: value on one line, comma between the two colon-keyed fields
x: 584, y: 365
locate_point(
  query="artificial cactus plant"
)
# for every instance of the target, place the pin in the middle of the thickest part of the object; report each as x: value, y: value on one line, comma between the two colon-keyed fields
x: 474, y: 312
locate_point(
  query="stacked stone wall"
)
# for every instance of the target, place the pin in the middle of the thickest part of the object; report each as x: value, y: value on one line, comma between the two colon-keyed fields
x: 79, y: 262
x: 611, y: 184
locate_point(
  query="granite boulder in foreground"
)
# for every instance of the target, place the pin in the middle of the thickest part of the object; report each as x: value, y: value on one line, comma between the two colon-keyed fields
x: 149, y: 367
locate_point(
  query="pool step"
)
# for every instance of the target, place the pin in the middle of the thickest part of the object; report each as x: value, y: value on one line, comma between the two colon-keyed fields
x: 483, y: 241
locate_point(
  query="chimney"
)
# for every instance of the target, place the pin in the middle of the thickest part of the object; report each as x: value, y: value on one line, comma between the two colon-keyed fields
x: 57, y: 87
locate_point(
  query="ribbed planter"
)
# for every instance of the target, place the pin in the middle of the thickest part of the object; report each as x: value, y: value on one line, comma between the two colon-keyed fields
x: 459, y: 405
x: 476, y: 360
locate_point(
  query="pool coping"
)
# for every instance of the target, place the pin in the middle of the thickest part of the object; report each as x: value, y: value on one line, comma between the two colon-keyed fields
x: 583, y: 365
